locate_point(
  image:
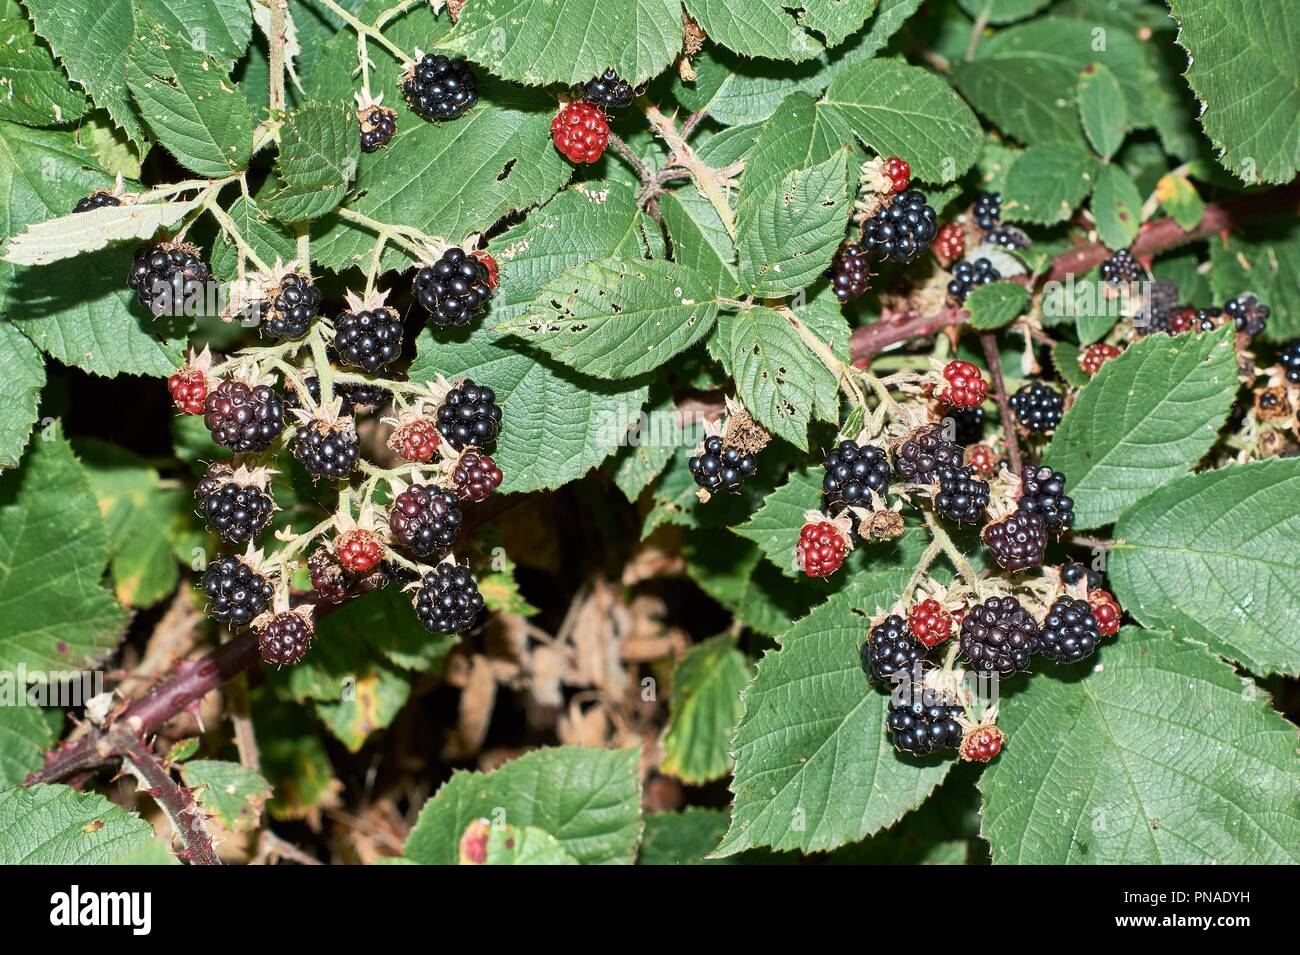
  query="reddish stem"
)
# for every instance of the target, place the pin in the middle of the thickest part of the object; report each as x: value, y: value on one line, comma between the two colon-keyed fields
x: 991, y: 355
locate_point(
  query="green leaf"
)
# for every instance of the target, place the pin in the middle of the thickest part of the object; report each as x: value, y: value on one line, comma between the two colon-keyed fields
x: 33, y: 89
x: 700, y: 240
x: 56, y: 825
x: 1266, y: 263
x: 787, y: 238
x: 513, y: 845
x: 618, y: 318
x: 26, y: 733
x: 777, y: 378
x: 234, y: 794
x: 269, y: 240
x: 190, y: 104
x: 537, y: 43
x: 1156, y: 754
x: 651, y: 445
x: 1065, y: 357
x: 1210, y: 556
x: 999, y: 12
x: 835, y: 20
x: 588, y: 799
x: 91, y: 40
x: 560, y: 425
x: 814, y: 769
x: 1243, y: 69
x: 294, y: 760
x: 996, y: 304
x: 1102, y: 109
x: 760, y: 28
x: 1045, y: 184
x: 681, y: 838
x: 1117, y: 207
x: 1178, y: 198
x: 703, y: 709
x: 1144, y: 418
x: 735, y: 574
x: 23, y: 371
x: 75, y: 233
x: 902, y: 110
x: 736, y: 90
x: 319, y: 150
x: 221, y: 28
x: 53, y: 551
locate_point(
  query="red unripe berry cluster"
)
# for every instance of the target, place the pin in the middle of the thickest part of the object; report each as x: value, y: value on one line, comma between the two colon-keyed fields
x: 189, y: 389
x: 982, y: 458
x: 966, y: 387
x: 490, y: 264
x: 982, y: 743
x: 1107, y: 611
x: 899, y: 172
x: 929, y: 622
x: 821, y: 549
x: 359, y: 551
x: 580, y: 131
x: 415, y: 441
x: 950, y: 243
x: 1096, y: 355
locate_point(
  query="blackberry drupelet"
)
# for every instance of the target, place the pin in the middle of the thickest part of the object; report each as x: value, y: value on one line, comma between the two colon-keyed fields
x: 721, y: 468
x: 469, y: 416
x: 99, y: 199
x: 1038, y: 407
x: 968, y: 276
x: 1070, y: 632
x: 1042, y: 492
x: 285, y: 639
x: 448, y: 600
x: 1248, y: 313
x: 962, y: 496
x: 890, y: 649
x: 924, y: 723
x: 821, y: 549
x: 293, y: 308
x: 242, y: 417
x: 968, y: 425
x: 901, y: 231
x: 425, y: 519
x: 1018, y: 542
x: 454, y: 289
x: 849, y: 273
x: 1121, y: 268
x: 852, y: 472
x: 378, y: 127
x: 236, y: 595
x: 368, y: 339
x: 987, y: 210
x: 167, y: 276
x: 609, y: 91
x: 1289, y: 360
x: 1072, y: 571
x: 998, y: 636
x: 236, y: 513
x: 919, y: 458
x: 1009, y: 237
x: 439, y: 88
x: 476, y: 476
x: 327, y: 449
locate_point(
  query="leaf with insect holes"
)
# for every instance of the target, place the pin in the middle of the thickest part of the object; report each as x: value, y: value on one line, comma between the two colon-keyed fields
x: 73, y: 234
x: 33, y: 89
x: 618, y: 318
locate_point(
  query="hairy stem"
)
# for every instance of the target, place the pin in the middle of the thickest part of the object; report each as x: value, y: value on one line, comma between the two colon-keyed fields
x: 369, y: 31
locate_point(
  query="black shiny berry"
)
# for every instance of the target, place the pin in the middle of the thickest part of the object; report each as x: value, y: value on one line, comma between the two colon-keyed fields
x: 454, y: 289
x: 285, y: 639
x: 99, y: 199
x: 167, y: 278
x: 967, y: 425
x: 849, y: 273
x: 1009, y: 237
x: 962, y: 495
x: 237, y: 513
x: 987, y: 211
x: 998, y: 636
x: 293, y: 308
x: 968, y: 276
x: 1042, y: 491
x: 1248, y: 313
x: 448, y: 600
x: 1038, y: 407
x: 890, y: 649
x: 609, y: 91
x: 327, y: 450
x: 425, y: 519
x: 1289, y: 360
x: 440, y: 88
x: 378, y: 127
x: 469, y: 416
x: 919, y: 458
x: 1018, y: 542
x: 236, y: 595
x: 1121, y: 268
x: 922, y: 722
x: 243, y: 418
x: 366, y: 396
x: 1072, y: 572
x: 368, y: 339
x: 1153, y: 315
x: 1070, y: 632
x: 851, y: 472
x: 901, y: 231
x: 721, y: 468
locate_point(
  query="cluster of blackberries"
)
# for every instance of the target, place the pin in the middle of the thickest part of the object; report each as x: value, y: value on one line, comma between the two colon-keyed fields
x: 962, y: 495
x: 1038, y: 407
x: 1120, y: 269
x: 721, y: 468
x: 293, y: 307
x: 921, y: 456
x: 469, y: 416
x: 237, y: 511
x: 968, y: 276
x: 454, y: 289
x: 987, y: 210
x: 902, y: 230
x: 440, y: 88
x: 849, y: 273
x: 167, y: 277
x: 327, y: 449
x: 368, y: 339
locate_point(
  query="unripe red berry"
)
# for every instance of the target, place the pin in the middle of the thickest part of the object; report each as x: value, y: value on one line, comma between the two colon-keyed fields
x: 950, y: 243
x: 415, y: 441
x: 359, y: 550
x: 821, y: 549
x: 580, y: 132
x: 1107, y: 611
x: 982, y: 743
x: 1096, y: 355
x: 490, y: 264
x: 966, y: 387
x: 929, y: 622
x: 899, y: 172
x: 983, y: 459
x: 189, y: 389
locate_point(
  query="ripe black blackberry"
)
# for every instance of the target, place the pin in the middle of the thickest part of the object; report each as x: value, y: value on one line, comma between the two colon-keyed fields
x: 1042, y: 492
x: 923, y: 722
x: 425, y: 519
x: 1070, y: 632
x: 293, y: 307
x: 236, y: 595
x: 1018, y: 542
x: 968, y: 425
x: 1038, y: 407
x: 1120, y: 269
x: 363, y: 395
x: 968, y: 276
x: 849, y: 273
x: 448, y: 600
x: 1154, y: 314
x: 328, y: 579
x: 327, y: 449
x: 168, y: 275
x: 901, y: 231
x: 294, y: 400
x: 285, y: 639
x: 454, y: 289
x: 890, y: 649
x: 1009, y: 237
x: 378, y: 127
x: 998, y: 636
x: 1072, y: 572
x: 368, y: 339
x: 962, y: 495
x: 609, y: 91
x: 242, y: 417
x: 852, y: 472
x: 926, y: 450
x: 987, y: 210
x: 439, y: 88
x: 721, y: 468
x: 1248, y: 313
x: 99, y: 199
x: 236, y: 512
x: 1289, y: 360
x: 469, y: 416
